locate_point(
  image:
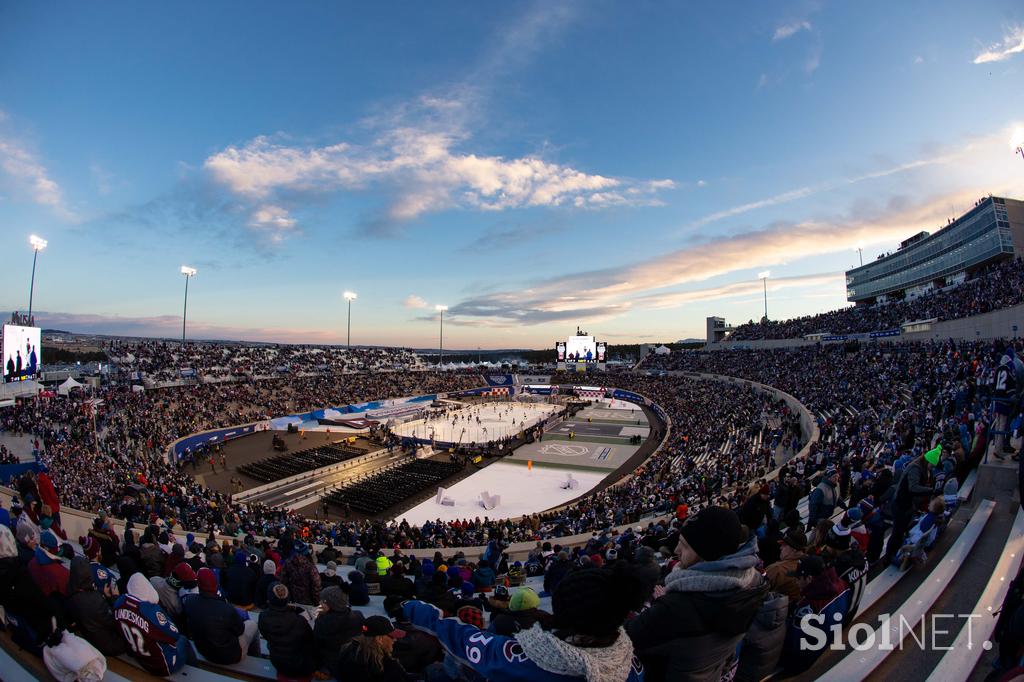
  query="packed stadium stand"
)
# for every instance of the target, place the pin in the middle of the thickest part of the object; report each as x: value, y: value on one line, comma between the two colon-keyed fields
x: 802, y: 502
x: 969, y: 267
x: 998, y: 286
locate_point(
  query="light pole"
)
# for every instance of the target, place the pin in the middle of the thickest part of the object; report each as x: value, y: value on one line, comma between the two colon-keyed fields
x: 763, y: 276
x: 349, y: 296
x: 860, y: 252
x: 189, y: 274
x: 38, y: 244
x: 440, y: 350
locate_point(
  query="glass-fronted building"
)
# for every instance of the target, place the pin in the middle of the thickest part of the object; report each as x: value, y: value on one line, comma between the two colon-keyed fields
x: 992, y: 230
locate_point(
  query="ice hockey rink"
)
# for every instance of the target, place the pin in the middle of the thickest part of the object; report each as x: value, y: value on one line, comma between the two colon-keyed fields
x: 497, y: 420
x: 523, y: 491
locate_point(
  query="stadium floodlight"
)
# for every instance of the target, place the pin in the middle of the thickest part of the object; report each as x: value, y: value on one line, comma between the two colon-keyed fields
x: 38, y: 244
x: 189, y: 274
x: 440, y: 346
x: 763, y: 276
x: 349, y: 296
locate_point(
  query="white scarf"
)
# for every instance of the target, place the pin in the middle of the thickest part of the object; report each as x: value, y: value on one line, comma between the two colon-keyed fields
x: 595, y: 664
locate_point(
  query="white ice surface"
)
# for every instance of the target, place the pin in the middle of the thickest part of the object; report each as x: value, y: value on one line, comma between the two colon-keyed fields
x: 497, y: 420
x: 522, y: 492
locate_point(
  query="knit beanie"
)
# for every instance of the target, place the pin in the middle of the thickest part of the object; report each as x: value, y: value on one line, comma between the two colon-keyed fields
x: 334, y: 598
x: 714, y: 532
x: 277, y: 594
x: 590, y: 602
x: 269, y: 567
x: 933, y: 455
x: 207, y: 581
x: 525, y: 598
x: 184, y: 576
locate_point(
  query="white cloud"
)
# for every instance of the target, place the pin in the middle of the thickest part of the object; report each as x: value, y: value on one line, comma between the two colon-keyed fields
x: 788, y: 30
x: 1011, y: 44
x: 980, y: 166
x: 272, y: 216
x: 601, y: 294
x: 702, y: 183
x: 417, y: 152
x: 742, y: 288
x: 26, y: 171
x: 425, y: 173
x: 415, y: 302
x: 919, y: 59
x: 809, y: 190
x: 275, y: 221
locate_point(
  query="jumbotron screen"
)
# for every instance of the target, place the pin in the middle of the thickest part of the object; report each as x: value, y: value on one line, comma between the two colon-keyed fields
x: 580, y: 349
x: 22, y: 353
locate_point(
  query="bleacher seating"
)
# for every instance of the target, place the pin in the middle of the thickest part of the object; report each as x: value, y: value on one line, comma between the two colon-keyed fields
x: 392, y: 486
x: 282, y: 466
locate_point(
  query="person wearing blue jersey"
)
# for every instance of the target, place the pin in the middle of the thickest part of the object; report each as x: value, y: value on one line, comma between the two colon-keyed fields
x: 153, y: 640
x: 588, y: 642
x: 1006, y: 400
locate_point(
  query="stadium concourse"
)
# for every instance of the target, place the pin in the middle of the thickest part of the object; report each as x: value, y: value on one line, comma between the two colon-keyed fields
x: 862, y: 484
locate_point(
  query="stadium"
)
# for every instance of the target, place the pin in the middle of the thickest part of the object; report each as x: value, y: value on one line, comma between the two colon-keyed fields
x: 474, y: 492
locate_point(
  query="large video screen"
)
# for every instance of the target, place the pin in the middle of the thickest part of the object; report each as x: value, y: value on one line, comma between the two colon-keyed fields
x: 581, y: 349
x: 22, y: 353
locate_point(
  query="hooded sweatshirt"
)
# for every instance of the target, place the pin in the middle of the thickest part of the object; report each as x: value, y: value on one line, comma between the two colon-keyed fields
x: 89, y: 610
x: 692, y: 630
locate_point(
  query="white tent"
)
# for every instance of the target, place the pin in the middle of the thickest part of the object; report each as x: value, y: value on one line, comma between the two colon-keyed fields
x: 662, y: 350
x: 67, y: 386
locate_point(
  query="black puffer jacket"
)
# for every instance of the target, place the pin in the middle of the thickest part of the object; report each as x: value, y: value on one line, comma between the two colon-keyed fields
x: 239, y: 583
x: 691, y: 632
x: 90, y: 612
x: 214, y: 627
x: 331, y: 630
x: 289, y: 640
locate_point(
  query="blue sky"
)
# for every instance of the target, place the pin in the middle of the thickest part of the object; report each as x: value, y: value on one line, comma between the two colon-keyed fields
x: 627, y: 167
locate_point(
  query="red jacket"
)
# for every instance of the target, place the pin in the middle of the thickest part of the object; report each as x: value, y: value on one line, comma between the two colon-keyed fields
x: 48, y: 573
x: 47, y: 493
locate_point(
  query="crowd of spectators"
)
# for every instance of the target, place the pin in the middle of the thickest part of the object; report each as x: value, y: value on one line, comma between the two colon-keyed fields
x: 106, y: 450
x: 1000, y: 285
x: 732, y: 557
x: 161, y: 362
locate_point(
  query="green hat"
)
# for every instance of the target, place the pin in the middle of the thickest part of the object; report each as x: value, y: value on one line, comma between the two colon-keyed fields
x: 932, y: 456
x: 524, y: 598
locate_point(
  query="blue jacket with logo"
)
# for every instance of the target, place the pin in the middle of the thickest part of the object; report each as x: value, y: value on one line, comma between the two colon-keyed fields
x: 496, y: 657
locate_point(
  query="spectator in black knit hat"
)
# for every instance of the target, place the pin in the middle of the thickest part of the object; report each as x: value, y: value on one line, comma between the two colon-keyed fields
x: 709, y: 602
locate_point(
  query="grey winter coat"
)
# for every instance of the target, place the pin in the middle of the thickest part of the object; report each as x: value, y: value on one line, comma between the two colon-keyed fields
x: 762, y: 647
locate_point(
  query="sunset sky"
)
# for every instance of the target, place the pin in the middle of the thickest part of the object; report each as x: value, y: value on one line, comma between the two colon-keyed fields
x: 629, y: 167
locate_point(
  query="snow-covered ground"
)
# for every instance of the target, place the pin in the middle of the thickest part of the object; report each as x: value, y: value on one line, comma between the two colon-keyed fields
x: 478, y: 423
x: 522, y: 491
